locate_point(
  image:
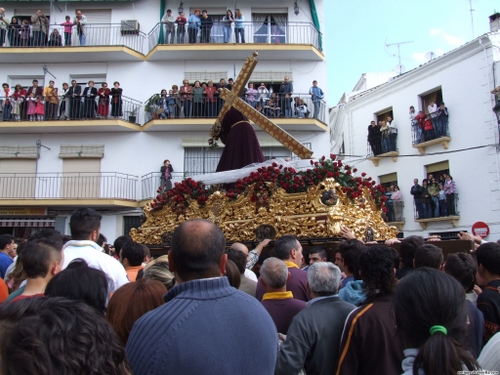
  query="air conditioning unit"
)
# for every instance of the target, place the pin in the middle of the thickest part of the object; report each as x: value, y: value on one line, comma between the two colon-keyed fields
x: 129, y: 27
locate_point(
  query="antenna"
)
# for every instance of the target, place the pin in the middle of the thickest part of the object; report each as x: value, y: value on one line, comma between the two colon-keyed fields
x: 401, y: 67
x: 430, y: 55
x: 471, y: 18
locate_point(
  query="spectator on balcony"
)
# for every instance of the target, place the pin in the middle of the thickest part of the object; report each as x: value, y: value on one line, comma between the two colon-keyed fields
x: 416, y: 191
x: 6, y: 101
x: 434, y: 191
x: 413, y: 121
x: 40, y: 27
x: 303, y: 111
x: 390, y: 204
x: 288, y: 106
x: 64, y: 108
x: 166, y: 175
x: 116, y: 100
x: 277, y: 35
x: 4, y: 24
x: 55, y: 39
x: 397, y: 201
x: 194, y: 24
x: 443, y: 204
x: 227, y: 20
x: 25, y: 34
x: 259, y: 108
x: 316, y: 97
x: 74, y: 94
x: 181, y: 21
x: 163, y: 109
x: 393, y: 133
x: 211, y: 95
x: 206, y: 26
x: 178, y: 103
x: 384, y: 133
x: 432, y: 109
x: 428, y: 129
x: 31, y: 106
x: 263, y: 93
x: 449, y: 189
x: 89, y: 104
x: 420, y: 118
x: 52, y: 104
x: 186, y: 94
x: 222, y: 85
x: 375, y: 138
x: 47, y: 93
x: 81, y: 23
x: 442, y: 121
x: 239, y: 28
x: 251, y: 95
x: 286, y: 87
x: 14, y: 32
x: 39, y: 108
x: 169, y: 22
x: 198, y: 100
x: 230, y: 84
x: 103, y: 106
x: 426, y: 199
x: 18, y: 97
x: 68, y: 30
x: 171, y: 100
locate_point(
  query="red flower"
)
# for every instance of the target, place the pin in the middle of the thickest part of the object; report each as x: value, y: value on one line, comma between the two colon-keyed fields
x: 363, y: 174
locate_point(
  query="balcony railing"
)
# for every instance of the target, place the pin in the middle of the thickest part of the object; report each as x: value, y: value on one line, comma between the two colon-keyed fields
x: 443, y: 209
x: 394, y: 211
x: 95, y: 34
x: 151, y: 183
x: 439, y: 130
x: 201, y: 108
x: 78, y: 108
x: 109, y: 34
x: 68, y: 186
x: 382, y: 146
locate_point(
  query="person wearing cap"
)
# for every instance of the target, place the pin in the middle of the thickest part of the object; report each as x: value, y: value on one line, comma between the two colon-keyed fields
x: 169, y: 22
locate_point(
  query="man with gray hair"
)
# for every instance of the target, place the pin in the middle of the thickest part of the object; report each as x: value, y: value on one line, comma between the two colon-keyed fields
x: 279, y: 303
x: 313, y: 339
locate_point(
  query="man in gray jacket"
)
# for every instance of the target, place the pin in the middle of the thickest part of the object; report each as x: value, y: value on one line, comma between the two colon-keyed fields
x: 40, y: 24
x: 313, y: 339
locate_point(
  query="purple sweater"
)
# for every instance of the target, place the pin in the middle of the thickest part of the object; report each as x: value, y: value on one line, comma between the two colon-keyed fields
x: 296, y: 284
x: 282, y: 310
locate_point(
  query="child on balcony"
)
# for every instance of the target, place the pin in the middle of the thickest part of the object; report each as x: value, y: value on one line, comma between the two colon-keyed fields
x: 68, y: 30
x: 40, y: 108
x: 31, y: 112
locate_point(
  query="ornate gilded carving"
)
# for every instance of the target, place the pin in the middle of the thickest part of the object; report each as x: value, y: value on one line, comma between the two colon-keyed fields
x: 305, y: 215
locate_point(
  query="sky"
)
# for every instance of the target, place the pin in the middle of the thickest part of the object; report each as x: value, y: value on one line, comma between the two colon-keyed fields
x: 357, y: 32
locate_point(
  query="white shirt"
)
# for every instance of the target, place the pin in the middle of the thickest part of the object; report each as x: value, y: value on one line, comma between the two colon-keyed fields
x: 93, y: 255
x: 249, y: 274
x: 432, y: 108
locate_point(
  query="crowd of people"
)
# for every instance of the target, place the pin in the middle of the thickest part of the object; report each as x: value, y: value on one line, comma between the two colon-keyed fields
x: 202, y: 99
x: 376, y: 310
x: 382, y: 136
x: 36, y: 32
x: 435, y: 197
x: 432, y: 125
x: 38, y: 103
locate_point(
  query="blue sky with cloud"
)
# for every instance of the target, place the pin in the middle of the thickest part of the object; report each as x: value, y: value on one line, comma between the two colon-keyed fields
x: 358, y: 30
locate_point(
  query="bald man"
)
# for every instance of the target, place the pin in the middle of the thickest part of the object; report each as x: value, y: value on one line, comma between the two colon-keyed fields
x: 249, y: 274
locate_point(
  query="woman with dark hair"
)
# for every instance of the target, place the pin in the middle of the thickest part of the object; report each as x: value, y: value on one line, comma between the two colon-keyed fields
x: 425, y: 198
x: 449, y: 189
x: 166, y: 175
x: 46, y: 336
x: 431, y: 312
x: 89, y: 104
x: 14, y: 33
x: 116, y: 100
x: 103, y: 106
x: 233, y: 274
x: 227, y: 20
x: 80, y: 282
x: 130, y: 302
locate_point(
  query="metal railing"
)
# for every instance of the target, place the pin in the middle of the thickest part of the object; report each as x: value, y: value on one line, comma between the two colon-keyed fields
x: 207, y: 108
x: 74, y: 108
x: 151, y: 183
x: 438, y: 129
x: 253, y: 32
x: 89, y: 185
x: 381, y: 145
x: 429, y: 210
x: 94, y: 34
x: 109, y: 34
x: 394, y: 211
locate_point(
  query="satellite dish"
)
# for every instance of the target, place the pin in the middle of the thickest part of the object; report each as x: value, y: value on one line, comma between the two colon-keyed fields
x: 430, y: 55
x: 399, y: 69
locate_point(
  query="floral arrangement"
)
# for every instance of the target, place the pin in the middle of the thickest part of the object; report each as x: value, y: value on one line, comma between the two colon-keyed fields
x: 266, y: 179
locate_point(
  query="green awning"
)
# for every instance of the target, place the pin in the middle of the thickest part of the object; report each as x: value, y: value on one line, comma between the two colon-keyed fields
x: 315, y: 18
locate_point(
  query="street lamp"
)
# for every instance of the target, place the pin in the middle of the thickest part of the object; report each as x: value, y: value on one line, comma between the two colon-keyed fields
x: 181, y: 8
x: 296, y: 9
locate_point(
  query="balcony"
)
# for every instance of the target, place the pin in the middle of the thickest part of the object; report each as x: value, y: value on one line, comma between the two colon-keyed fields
x: 382, y: 148
x: 104, y: 42
x: 81, y: 116
x: 421, y: 139
x: 201, y: 116
x: 285, y: 43
x: 394, y: 215
x: 68, y: 189
x: 111, y: 42
x: 425, y: 213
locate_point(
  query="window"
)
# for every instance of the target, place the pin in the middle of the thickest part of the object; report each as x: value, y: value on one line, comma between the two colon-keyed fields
x: 81, y: 178
x: 130, y: 222
x: 382, y: 115
x: 83, y: 79
x: 269, y: 28
x: 432, y: 96
x: 388, y: 179
x: 437, y: 169
x: 205, y: 76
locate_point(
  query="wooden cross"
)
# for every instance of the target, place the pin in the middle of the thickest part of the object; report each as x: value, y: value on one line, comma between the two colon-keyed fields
x: 232, y: 99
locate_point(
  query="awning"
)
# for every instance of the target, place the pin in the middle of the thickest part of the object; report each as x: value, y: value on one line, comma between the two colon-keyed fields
x: 28, y: 223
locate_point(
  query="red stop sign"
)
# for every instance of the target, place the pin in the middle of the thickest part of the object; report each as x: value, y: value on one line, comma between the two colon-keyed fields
x: 480, y: 229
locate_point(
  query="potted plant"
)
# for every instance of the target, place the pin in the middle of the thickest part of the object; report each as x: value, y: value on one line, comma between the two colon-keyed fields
x: 132, y: 117
x: 152, y: 105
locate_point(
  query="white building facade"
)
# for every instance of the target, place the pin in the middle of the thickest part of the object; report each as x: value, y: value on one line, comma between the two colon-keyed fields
x: 50, y: 167
x: 469, y: 151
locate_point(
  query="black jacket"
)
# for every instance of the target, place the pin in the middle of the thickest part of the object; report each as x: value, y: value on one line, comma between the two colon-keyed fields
x: 415, y: 191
